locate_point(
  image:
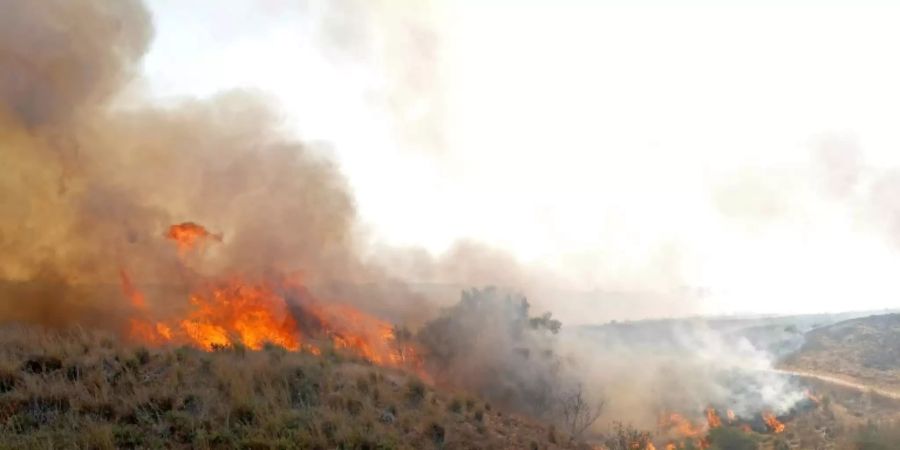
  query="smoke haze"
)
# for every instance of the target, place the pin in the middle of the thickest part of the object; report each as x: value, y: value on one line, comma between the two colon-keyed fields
x: 96, y: 171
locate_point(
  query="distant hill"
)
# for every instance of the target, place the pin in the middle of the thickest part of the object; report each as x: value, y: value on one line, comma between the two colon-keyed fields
x: 865, y: 349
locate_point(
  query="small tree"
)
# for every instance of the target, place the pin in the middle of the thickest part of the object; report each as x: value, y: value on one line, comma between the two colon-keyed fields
x: 577, y: 413
x: 626, y: 437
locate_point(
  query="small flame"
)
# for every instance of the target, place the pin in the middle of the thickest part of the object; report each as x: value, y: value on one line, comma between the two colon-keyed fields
x: 712, y: 418
x: 812, y: 397
x: 135, y: 296
x: 772, y: 422
x: 681, y: 426
x: 189, y: 235
x: 730, y: 415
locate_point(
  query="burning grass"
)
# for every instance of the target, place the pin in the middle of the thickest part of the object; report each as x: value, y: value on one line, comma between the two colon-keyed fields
x: 79, y: 389
x: 229, y: 310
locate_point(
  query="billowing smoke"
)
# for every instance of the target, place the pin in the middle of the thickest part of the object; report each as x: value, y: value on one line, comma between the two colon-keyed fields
x: 94, y: 177
x: 651, y: 369
x: 491, y: 343
x: 497, y: 344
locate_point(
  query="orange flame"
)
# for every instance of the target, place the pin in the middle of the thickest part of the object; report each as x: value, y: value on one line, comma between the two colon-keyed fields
x: 254, y: 313
x: 189, y: 235
x: 772, y: 422
x: 680, y: 426
x: 135, y: 296
x: 684, y: 428
x: 140, y: 329
x: 812, y: 397
x: 239, y: 312
x: 731, y: 416
x: 712, y: 418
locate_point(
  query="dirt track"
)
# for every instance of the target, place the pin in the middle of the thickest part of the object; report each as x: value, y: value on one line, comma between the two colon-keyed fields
x: 842, y: 382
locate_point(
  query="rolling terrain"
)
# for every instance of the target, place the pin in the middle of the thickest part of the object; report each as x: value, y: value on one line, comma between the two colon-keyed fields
x: 863, y: 351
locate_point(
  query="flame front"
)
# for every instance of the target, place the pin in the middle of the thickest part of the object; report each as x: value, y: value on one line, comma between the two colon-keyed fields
x: 240, y: 312
x: 254, y: 312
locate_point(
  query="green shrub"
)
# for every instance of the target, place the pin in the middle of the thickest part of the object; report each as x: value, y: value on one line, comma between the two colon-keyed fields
x: 730, y: 438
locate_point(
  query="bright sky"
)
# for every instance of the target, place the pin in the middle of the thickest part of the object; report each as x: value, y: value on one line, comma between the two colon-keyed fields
x: 627, y: 147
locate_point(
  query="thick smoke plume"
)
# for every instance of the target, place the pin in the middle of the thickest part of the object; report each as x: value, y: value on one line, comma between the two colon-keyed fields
x: 93, y: 180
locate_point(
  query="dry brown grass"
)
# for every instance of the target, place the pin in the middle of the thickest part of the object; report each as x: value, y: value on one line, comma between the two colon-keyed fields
x: 78, y: 389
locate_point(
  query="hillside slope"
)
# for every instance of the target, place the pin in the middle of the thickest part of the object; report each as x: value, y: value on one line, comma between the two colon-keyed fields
x: 865, y: 349
x: 82, y: 390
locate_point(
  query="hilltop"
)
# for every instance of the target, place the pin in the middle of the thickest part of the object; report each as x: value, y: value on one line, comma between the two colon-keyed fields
x: 864, y: 350
x: 80, y: 389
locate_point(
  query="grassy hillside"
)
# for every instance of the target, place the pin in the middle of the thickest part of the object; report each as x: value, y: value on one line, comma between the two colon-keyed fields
x: 82, y: 390
x: 865, y: 349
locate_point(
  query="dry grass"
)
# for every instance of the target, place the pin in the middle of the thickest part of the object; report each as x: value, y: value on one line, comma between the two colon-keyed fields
x: 78, y: 389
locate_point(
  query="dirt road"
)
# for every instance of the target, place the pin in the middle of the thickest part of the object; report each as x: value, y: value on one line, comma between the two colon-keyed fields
x: 833, y: 379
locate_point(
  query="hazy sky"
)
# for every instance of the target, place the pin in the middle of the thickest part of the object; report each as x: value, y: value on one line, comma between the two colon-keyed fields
x: 748, y: 151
